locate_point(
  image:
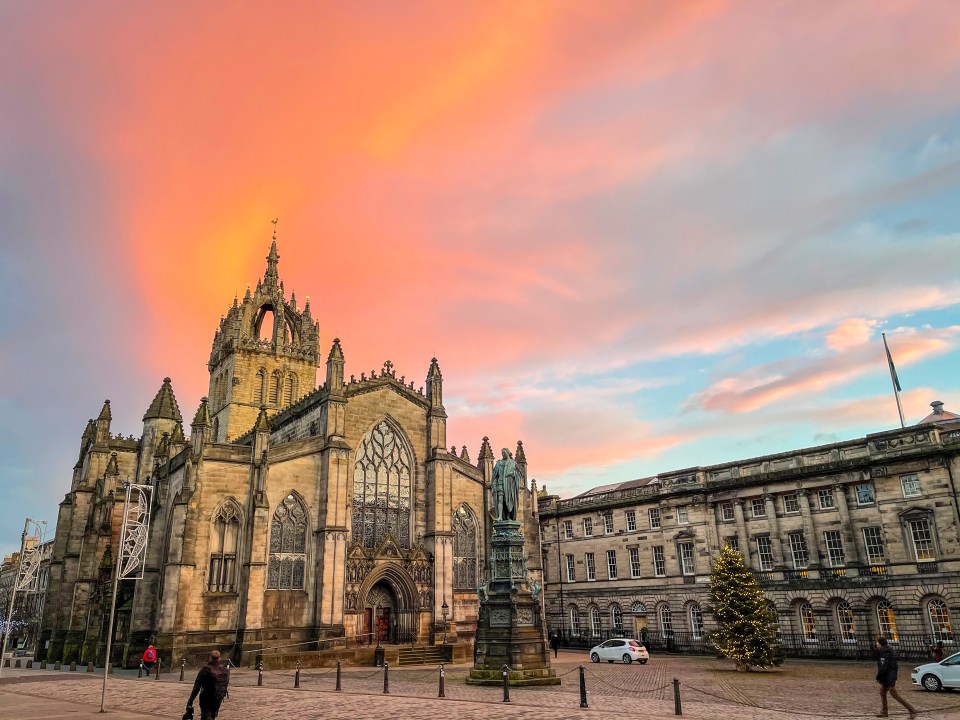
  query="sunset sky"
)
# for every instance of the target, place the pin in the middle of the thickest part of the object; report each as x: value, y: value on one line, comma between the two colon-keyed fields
x: 640, y: 236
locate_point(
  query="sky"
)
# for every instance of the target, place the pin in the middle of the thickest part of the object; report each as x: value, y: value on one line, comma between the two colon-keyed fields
x: 639, y: 236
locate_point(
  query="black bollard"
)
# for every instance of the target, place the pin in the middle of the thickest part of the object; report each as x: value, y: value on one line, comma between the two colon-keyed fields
x: 583, y: 688
x: 157, y: 674
x: 506, y: 683
x: 337, y: 688
x: 677, y: 710
x: 386, y: 677
x: 140, y: 670
x: 183, y: 667
x: 260, y: 674
x: 441, y: 694
x: 296, y: 677
x: 89, y: 667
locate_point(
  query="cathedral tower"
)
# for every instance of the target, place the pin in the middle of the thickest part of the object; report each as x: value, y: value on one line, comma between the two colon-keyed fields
x: 264, y: 354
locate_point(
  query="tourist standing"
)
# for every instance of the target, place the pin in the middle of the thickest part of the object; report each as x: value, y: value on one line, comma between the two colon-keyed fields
x: 211, y: 684
x: 149, y: 659
x: 555, y: 642
x: 887, y: 677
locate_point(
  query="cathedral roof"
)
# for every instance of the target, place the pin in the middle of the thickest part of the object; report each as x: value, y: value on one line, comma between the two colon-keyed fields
x: 164, y: 404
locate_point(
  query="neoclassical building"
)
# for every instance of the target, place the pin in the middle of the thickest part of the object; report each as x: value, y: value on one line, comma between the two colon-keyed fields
x: 849, y: 541
x: 291, y: 512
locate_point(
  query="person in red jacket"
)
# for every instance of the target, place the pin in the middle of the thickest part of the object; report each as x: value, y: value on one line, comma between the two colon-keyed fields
x: 149, y: 659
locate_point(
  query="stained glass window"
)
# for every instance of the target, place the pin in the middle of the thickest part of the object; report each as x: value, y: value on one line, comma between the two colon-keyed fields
x: 381, y: 488
x: 288, y: 546
x: 464, y: 550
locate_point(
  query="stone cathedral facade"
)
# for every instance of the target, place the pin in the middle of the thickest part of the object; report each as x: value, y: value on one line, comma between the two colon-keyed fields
x: 290, y: 511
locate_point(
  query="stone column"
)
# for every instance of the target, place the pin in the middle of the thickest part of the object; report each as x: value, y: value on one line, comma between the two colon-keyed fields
x: 742, y: 531
x: 809, y: 529
x: 852, y: 539
x: 776, y: 541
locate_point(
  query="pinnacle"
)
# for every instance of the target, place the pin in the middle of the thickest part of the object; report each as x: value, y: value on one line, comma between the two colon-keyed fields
x: 164, y: 405
x: 263, y: 422
x: 105, y: 411
x: 203, y: 414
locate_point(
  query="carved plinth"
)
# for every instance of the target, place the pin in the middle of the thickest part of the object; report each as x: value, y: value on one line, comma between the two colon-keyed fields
x: 510, y: 628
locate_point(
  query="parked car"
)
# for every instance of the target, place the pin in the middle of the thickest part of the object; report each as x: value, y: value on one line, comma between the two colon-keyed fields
x: 623, y: 649
x: 938, y: 675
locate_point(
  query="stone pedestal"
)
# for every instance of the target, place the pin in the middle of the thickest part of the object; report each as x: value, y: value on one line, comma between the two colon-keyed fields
x: 510, y: 628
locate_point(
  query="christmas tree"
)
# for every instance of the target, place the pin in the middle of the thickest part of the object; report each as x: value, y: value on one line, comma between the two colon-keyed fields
x: 746, y: 627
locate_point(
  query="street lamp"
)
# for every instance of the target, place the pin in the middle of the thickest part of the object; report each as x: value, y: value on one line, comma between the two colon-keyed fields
x: 444, y: 609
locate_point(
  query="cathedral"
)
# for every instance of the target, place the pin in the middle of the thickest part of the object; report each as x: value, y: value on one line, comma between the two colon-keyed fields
x: 292, y: 513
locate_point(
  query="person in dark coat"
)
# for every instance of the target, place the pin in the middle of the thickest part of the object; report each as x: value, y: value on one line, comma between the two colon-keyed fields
x: 936, y: 652
x: 887, y: 677
x: 555, y: 642
x: 211, y: 685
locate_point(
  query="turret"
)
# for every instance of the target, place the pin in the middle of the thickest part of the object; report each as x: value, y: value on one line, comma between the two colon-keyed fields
x: 436, y: 415
x: 201, y: 428
x: 261, y: 435
x: 335, y: 368
x: 103, y: 424
x: 159, y: 420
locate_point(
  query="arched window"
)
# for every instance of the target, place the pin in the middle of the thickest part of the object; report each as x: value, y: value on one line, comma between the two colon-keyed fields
x: 260, y: 388
x: 846, y: 627
x: 290, y: 389
x: 574, y: 621
x: 807, y: 624
x: 381, y: 488
x: 464, y: 550
x: 666, y: 620
x: 288, y: 546
x: 225, y: 535
x: 939, y: 615
x: 595, y: 621
x: 887, y: 621
x: 696, y: 621
x: 616, y: 619
x: 274, y: 396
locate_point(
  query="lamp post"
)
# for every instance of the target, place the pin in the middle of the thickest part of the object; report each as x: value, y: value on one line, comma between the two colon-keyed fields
x: 24, y: 576
x: 444, y: 609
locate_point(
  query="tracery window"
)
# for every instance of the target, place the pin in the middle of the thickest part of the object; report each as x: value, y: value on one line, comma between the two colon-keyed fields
x: 225, y: 535
x: 464, y: 550
x: 288, y: 546
x: 381, y: 488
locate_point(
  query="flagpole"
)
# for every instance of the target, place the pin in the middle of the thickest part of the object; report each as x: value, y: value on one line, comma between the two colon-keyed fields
x: 118, y: 557
x: 893, y: 380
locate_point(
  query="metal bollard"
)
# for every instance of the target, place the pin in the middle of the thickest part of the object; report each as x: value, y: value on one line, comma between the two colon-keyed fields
x: 337, y: 688
x: 260, y: 673
x: 140, y: 670
x: 506, y: 683
x: 56, y: 665
x: 296, y: 678
x: 441, y: 694
x: 386, y: 677
x: 183, y: 667
x: 73, y: 667
x: 677, y: 710
x: 89, y: 667
x: 583, y: 688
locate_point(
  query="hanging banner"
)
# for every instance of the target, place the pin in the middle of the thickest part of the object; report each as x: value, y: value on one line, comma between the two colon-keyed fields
x: 133, y: 545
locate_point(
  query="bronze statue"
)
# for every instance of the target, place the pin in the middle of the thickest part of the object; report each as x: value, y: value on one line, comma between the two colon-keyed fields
x: 506, y: 488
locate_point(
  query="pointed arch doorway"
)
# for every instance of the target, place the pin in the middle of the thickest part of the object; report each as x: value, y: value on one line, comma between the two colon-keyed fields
x: 379, y: 614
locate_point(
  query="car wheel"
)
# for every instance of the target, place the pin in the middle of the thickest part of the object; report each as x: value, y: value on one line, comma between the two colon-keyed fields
x: 643, y: 662
x: 931, y: 683
x: 594, y: 657
x: 627, y: 659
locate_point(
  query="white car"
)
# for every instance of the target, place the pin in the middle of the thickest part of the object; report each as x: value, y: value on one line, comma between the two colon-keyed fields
x: 938, y: 675
x: 620, y: 649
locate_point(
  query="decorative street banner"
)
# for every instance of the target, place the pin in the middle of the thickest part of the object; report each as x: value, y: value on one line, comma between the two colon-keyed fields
x: 136, y: 528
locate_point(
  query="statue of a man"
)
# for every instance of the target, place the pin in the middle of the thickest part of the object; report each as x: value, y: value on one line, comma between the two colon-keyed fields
x: 506, y: 487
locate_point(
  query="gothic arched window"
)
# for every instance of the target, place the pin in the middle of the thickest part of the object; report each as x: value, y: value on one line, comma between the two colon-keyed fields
x: 288, y: 546
x: 225, y: 536
x: 381, y: 488
x: 464, y: 550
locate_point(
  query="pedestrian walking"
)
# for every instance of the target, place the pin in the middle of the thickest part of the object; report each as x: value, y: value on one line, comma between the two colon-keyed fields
x: 887, y: 677
x: 936, y: 651
x: 211, y: 685
x: 555, y: 642
x: 149, y: 659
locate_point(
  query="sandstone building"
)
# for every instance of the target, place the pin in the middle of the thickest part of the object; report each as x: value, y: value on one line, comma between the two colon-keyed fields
x: 291, y: 512
x: 849, y: 541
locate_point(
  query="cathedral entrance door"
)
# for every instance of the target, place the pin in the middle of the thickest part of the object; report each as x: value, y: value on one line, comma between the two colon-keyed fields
x: 377, y: 616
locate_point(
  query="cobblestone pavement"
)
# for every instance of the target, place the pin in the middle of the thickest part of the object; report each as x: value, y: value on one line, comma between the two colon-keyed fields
x: 710, y: 688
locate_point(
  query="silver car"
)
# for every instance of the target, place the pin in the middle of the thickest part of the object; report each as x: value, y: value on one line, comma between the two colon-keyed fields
x: 623, y: 649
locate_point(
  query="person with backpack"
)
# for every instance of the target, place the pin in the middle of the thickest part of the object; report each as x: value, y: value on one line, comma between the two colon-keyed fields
x: 887, y: 677
x: 149, y: 659
x: 211, y: 685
